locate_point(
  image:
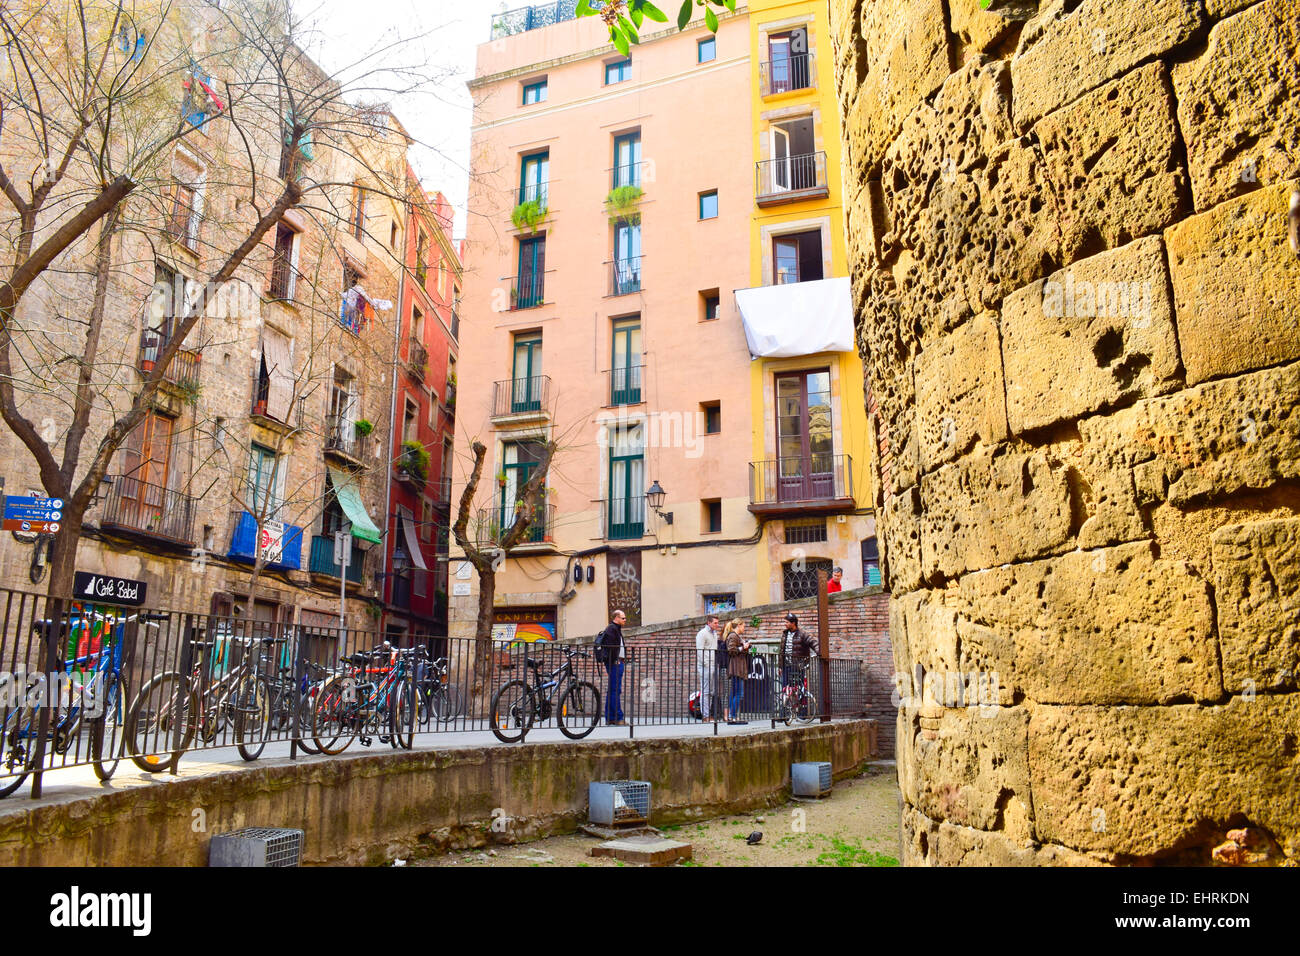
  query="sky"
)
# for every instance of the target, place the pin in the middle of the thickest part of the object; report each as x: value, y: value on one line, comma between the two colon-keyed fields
x: 435, y: 37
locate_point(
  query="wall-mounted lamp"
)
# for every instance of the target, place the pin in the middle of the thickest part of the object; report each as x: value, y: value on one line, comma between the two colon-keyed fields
x: 591, y: 573
x: 655, y: 496
x: 577, y: 573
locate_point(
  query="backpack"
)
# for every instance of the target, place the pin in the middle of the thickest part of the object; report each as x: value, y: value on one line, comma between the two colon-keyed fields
x: 601, y: 653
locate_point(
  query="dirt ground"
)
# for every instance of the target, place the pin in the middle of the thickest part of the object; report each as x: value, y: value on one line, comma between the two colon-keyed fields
x: 856, y: 826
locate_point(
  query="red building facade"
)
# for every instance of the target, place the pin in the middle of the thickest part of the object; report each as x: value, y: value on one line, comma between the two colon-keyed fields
x: 424, y: 416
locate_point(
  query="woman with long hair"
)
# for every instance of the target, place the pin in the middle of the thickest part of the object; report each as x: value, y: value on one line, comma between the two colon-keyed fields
x: 738, y: 666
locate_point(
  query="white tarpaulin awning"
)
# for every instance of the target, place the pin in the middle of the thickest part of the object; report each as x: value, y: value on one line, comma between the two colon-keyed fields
x: 412, y: 539
x: 799, y: 318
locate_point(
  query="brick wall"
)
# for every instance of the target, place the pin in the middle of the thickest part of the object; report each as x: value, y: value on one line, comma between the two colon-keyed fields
x: 859, y: 629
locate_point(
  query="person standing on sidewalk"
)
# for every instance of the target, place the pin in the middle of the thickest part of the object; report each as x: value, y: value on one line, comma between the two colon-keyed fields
x: 613, y: 654
x: 738, y: 652
x: 706, y: 644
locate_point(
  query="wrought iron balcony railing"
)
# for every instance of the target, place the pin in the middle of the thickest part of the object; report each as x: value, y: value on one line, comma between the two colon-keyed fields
x: 495, y: 523
x: 623, y: 519
x: 322, y: 559
x: 522, y: 396
x: 534, y: 192
x: 528, y: 291
x: 798, y: 72
x: 419, y: 360
x: 523, y: 19
x: 624, y: 276
x: 625, y: 385
x: 818, y: 482
x: 341, y: 437
x: 790, y: 179
x: 185, y: 364
x: 140, y: 508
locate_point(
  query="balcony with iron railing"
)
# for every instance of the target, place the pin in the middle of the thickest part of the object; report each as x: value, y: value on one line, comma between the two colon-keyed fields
x: 797, y: 72
x: 140, y: 509
x: 523, y: 19
x: 440, y: 492
x: 278, y: 544
x: 521, y: 399
x: 183, y: 370
x: 455, y: 323
x: 284, y: 279
x: 624, y: 276
x: 818, y: 483
x: 533, y: 192
x: 528, y: 291
x: 625, y: 385
x: 323, y: 563
x: 341, y: 439
x: 623, y: 519
x: 495, y: 523
x: 791, y: 179
x: 418, y: 363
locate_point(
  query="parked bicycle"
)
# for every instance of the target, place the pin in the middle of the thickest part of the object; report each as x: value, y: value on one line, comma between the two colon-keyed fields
x: 439, y: 699
x: 516, y: 705
x: 96, y: 694
x: 374, y: 696
x: 797, y: 703
x: 182, y: 706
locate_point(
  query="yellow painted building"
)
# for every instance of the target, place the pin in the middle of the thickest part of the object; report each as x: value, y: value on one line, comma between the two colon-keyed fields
x: 811, y: 439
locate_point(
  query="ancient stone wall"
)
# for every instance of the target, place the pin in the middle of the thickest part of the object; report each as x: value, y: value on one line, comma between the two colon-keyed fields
x: 1080, y: 314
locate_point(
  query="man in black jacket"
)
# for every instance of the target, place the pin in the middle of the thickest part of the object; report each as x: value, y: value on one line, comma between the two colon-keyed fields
x: 797, y: 647
x: 613, y: 655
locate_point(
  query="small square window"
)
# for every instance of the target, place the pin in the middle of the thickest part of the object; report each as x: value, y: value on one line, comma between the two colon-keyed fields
x: 534, y: 92
x: 710, y: 300
x: 712, y: 417
x: 618, y: 72
x: 709, y: 204
x: 708, y: 49
x: 712, y: 516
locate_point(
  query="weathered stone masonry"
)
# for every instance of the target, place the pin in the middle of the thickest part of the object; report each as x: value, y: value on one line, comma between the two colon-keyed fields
x: 1080, y: 316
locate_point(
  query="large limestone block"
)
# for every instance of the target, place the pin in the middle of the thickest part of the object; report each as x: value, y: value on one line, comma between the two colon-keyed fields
x: 1089, y: 337
x: 907, y: 53
x: 959, y: 392
x: 888, y: 341
x: 1097, y: 41
x: 1112, y: 158
x: 1137, y: 782
x: 1114, y: 626
x: 992, y: 507
x: 1257, y: 588
x: 1015, y: 237
x: 902, y: 527
x: 978, y: 29
x: 929, y: 842
x: 1238, y: 105
x: 1236, y: 286
x: 974, y: 772
x: 1211, y: 441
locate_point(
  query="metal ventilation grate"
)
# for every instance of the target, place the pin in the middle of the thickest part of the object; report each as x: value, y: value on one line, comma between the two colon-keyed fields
x: 257, y: 847
x: 619, y: 802
x: 810, y: 779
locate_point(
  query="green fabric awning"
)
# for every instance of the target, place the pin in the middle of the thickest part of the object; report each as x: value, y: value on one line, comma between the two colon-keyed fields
x: 349, y: 495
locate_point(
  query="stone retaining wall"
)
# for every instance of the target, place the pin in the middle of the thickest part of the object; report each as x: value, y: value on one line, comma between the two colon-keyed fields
x: 1080, y: 316
x: 371, y: 809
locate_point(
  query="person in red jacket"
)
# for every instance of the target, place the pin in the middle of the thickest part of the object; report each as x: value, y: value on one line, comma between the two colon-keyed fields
x: 834, y: 584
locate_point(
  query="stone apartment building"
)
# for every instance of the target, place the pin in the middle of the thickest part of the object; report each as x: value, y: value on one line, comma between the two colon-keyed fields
x: 226, y: 498
x: 415, y: 579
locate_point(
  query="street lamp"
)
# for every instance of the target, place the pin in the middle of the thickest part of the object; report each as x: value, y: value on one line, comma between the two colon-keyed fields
x: 655, y: 496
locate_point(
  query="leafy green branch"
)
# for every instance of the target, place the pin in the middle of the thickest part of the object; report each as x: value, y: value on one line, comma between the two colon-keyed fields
x: 625, y: 17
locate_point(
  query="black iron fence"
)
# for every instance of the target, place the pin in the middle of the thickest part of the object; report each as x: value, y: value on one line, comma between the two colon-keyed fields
x: 87, y: 684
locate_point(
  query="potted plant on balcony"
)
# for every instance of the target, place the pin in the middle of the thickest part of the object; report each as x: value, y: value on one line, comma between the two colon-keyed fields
x: 501, y: 478
x: 621, y: 203
x: 529, y: 215
x: 363, y: 427
x: 414, y: 463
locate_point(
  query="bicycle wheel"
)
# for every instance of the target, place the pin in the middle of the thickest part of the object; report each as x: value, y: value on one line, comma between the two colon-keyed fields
x: 453, y: 703
x: 403, y: 714
x: 805, y: 708
x: 512, y: 711
x: 252, y: 716
x: 333, y: 719
x: 165, y: 705
x: 19, y: 756
x: 108, y: 730
x: 306, y: 715
x: 579, y: 710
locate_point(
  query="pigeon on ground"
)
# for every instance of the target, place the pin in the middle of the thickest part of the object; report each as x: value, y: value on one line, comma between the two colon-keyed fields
x: 755, y: 837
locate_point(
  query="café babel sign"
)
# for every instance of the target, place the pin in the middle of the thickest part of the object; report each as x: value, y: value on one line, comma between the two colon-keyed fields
x: 104, y: 589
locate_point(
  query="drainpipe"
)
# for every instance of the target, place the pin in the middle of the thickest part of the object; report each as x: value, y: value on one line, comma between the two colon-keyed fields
x: 392, y: 425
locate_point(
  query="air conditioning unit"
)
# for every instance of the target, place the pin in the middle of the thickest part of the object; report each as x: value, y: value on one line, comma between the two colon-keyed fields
x: 810, y: 779
x: 619, y: 803
x: 256, y: 846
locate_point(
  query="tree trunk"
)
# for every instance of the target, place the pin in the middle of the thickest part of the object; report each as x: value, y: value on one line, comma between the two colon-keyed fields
x: 487, y: 589
x: 63, y: 556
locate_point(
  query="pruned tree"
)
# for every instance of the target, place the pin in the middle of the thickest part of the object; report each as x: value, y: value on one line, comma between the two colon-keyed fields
x: 488, y: 556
